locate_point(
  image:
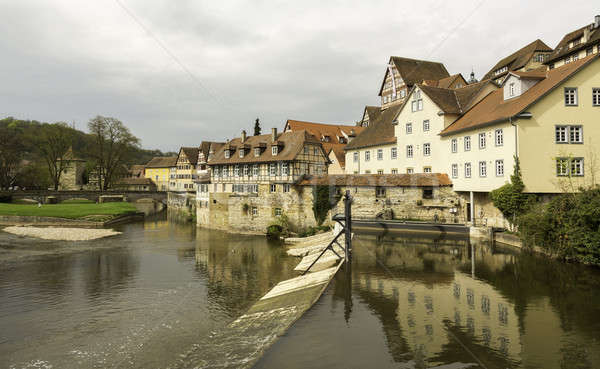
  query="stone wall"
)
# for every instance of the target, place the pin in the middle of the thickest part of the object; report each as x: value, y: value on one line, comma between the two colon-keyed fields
x: 41, y: 195
x: 181, y: 204
x: 253, y: 213
x: 486, y: 214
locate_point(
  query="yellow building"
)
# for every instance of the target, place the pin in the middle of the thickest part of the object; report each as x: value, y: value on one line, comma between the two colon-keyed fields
x: 158, y: 170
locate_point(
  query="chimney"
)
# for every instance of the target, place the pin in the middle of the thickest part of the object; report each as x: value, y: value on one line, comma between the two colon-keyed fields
x: 597, y: 21
x: 273, y: 134
x: 243, y: 136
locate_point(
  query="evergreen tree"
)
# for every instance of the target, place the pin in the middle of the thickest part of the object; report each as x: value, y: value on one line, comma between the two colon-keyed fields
x: 257, y: 127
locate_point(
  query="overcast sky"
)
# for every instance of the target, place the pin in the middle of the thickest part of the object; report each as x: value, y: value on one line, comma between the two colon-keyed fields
x: 179, y: 72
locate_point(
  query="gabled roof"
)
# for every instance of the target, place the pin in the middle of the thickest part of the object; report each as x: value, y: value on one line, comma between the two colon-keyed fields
x: 446, y: 82
x: 379, y: 180
x: 494, y: 109
x: 191, y: 153
x: 205, y: 147
x: 379, y: 132
x: 373, y: 112
x: 562, y: 49
x: 518, y: 59
x: 291, y: 144
x: 539, y: 73
x: 453, y: 101
x: 162, y: 162
x: 135, y: 181
x: 136, y: 170
x: 416, y: 71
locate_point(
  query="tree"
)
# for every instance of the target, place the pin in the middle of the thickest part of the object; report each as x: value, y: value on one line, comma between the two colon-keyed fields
x: 257, y: 127
x: 510, y: 199
x: 53, y: 143
x: 10, y: 156
x: 112, y: 143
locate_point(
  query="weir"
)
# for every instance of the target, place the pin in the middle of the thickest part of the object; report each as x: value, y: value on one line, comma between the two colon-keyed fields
x: 245, y: 340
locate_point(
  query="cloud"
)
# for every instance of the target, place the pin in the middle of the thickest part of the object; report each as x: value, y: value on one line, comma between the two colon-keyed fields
x: 311, y: 60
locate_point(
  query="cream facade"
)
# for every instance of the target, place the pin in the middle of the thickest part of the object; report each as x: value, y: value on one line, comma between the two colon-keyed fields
x: 373, y: 160
x: 539, y: 146
x: 576, y: 56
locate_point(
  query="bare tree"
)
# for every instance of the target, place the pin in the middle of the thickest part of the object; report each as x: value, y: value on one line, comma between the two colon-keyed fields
x: 53, y: 143
x: 10, y: 156
x: 112, y: 142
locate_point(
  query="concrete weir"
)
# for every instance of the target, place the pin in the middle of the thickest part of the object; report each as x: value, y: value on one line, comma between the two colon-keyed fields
x: 243, y: 342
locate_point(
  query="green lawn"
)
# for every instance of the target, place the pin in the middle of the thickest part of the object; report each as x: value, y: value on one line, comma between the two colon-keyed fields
x: 66, y: 210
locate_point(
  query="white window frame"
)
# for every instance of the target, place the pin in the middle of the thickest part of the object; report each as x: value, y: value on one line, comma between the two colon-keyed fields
x: 368, y: 155
x: 426, y: 169
x: 379, y: 154
x: 454, y: 170
x: 246, y: 170
x: 272, y: 169
x: 499, y: 137
x: 426, y: 149
x: 595, y: 96
x: 482, y: 169
x: 562, y: 167
x: 394, y: 153
x: 576, y: 130
x: 576, y: 167
x: 561, y: 134
x: 570, y: 94
x: 257, y: 151
x: 395, y: 171
x: 274, y: 150
x: 355, y: 156
x: 254, y: 211
x: 454, y: 145
x: 227, y: 154
x: 255, y: 170
x: 284, y: 169
x: 286, y: 187
x: 409, y: 128
x: 409, y: 151
x: 410, y: 170
x: 467, y: 170
x: 426, y: 125
x: 467, y: 143
x: 482, y: 141
x: 241, y: 153
x: 500, y: 168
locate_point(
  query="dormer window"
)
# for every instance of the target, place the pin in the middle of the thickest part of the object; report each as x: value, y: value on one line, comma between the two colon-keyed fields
x: 241, y: 153
x: 511, y: 89
x: 227, y: 154
x: 257, y: 151
x: 274, y: 150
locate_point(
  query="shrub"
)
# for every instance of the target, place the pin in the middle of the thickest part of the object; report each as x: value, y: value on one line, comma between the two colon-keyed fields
x: 510, y: 199
x: 323, y: 202
x: 5, y: 198
x: 568, y: 226
x: 274, y: 231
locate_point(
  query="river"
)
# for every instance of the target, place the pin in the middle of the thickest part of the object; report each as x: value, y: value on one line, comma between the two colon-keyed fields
x: 147, y: 297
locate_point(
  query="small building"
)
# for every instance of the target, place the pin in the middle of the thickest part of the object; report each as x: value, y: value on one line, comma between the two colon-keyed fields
x: 186, y: 169
x: 576, y: 45
x: 159, y: 170
x: 134, y: 184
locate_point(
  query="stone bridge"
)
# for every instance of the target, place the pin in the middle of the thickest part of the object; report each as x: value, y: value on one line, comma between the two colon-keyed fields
x: 130, y: 196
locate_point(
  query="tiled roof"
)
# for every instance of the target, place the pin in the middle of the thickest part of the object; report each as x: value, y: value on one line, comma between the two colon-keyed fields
x: 539, y: 73
x: 379, y: 132
x: 162, y: 162
x: 562, y: 49
x: 191, y: 153
x: 333, y: 131
x: 137, y: 170
x: 135, y: 181
x: 493, y: 108
x: 518, y: 59
x: 379, y: 180
x: 373, y: 112
x: 290, y: 143
x: 416, y: 71
x: 445, y: 82
x: 454, y: 101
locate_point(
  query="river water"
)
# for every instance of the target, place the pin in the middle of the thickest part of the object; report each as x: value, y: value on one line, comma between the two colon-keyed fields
x: 146, y: 298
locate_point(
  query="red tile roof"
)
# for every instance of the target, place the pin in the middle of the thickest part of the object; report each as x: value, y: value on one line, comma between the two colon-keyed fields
x: 379, y: 180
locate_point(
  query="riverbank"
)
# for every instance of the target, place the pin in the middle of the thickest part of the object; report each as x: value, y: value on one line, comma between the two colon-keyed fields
x: 73, y: 210
x: 61, y: 234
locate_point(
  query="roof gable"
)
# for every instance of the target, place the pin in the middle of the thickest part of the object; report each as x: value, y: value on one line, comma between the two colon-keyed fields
x: 379, y: 132
x: 415, y: 71
x: 518, y: 59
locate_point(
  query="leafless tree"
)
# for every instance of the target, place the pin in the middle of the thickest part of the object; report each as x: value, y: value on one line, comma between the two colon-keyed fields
x: 53, y: 143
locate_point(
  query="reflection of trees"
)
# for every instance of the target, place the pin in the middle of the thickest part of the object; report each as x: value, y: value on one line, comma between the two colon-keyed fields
x: 106, y: 273
x: 240, y: 269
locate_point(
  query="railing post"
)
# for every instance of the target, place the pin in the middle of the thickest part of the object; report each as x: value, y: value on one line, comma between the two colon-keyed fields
x: 348, y: 224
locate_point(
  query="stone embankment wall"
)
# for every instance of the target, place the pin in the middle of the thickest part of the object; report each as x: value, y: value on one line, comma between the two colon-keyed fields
x: 253, y: 213
x: 181, y: 204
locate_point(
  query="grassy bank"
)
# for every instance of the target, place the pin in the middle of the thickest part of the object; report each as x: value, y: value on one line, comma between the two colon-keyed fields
x: 68, y: 210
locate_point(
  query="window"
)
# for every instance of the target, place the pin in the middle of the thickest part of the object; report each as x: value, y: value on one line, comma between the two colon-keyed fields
x: 409, y: 151
x: 454, y: 170
x: 467, y: 140
x: 246, y: 170
x: 454, y: 145
x: 367, y: 155
x: 273, y: 169
x: 426, y: 169
x: 379, y: 154
x: 482, y: 169
x: 589, y: 51
x: 394, y: 153
x: 562, y: 167
x: 273, y: 188
x: 225, y: 171
x: 577, y: 167
x: 499, y: 137
x: 227, y: 154
x: 426, y: 125
x: 394, y: 171
x: 570, y: 96
x: 255, y: 170
x: 355, y: 157
x: 277, y: 212
x: 379, y: 171
x: 511, y: 89
x: 284, y: 169
x: 410, y: 170
x: 257, y: 151
x: 241, y: 153
x: 575, y: 57
x: 379, y: 191
x: 575, y: 134
x: 482, y: 140
x: 426, y: 149
x: 274, y: 150
x: 306, y: 150
x: 567, y: 60
x: 408, y: 128
x: 467, y: 170
x: 315, y: 150
x: 427, y: 192
x: 236, y: 171
x: 254, y: 210
x: 561, y: 134
x: 286, y: 187
x: 596, y: 96
x: 499, y: 168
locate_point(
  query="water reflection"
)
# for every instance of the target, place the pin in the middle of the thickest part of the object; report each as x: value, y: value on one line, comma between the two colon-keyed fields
x: 445, y: 302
